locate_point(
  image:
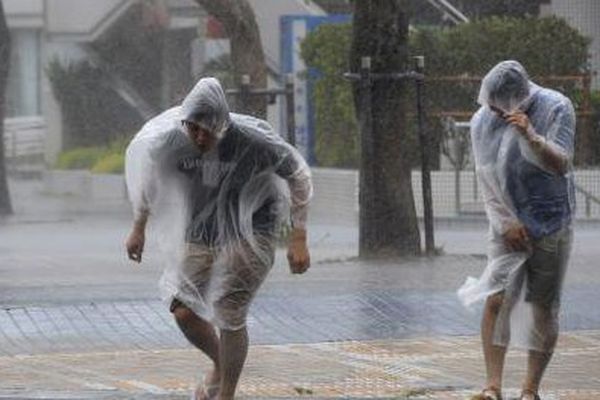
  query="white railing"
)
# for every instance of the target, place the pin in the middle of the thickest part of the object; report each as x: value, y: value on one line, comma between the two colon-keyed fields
x: 24, y: 138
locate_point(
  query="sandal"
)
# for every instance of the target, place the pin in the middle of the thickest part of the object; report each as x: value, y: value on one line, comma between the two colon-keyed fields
x: 490, y: 393
x: 528, y: 394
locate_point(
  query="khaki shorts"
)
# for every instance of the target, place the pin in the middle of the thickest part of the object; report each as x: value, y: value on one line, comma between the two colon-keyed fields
x: 546, y: 267
x: 226, y: 287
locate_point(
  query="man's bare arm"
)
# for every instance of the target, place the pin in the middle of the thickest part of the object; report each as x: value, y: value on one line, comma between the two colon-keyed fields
x: 137, y: 237
x: 550, y: 155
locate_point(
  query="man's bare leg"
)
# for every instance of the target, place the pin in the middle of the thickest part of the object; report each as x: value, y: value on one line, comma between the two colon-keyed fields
x: 537, y: 361
x: 202, y: 335
x: 494, y: 355
x: 234, y: 348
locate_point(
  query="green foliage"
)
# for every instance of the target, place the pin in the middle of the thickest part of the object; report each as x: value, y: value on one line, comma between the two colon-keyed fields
x: 546, y: 46
x: 98, y: 159
x: 111, y: 163
x: 79, y: 158
x: 337, y: 139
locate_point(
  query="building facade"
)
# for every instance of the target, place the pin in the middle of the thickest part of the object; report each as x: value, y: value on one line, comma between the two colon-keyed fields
x: 69, y: 31
x: 72, y: 31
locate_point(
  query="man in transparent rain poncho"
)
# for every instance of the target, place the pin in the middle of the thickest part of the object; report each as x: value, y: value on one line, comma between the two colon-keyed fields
x: 523, y: 138
x: 213, y: 183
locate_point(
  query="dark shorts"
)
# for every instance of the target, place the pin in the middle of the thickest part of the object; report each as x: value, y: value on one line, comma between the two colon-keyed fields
x: 546, y: 267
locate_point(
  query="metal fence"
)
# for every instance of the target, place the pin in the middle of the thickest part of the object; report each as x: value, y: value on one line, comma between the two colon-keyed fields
x: 457, y: 191
x: 450, y: 201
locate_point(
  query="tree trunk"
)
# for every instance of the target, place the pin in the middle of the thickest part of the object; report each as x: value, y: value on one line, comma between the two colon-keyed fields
x: 388, y: 221
x: 5, y: 204
x: 247, y: 54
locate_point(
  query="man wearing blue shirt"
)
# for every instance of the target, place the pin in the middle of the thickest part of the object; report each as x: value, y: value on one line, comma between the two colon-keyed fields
x: 523, y: 143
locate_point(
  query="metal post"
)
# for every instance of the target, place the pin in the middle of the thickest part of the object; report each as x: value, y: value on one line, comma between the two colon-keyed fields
x: 475, y: 187
x: 244, y: 98
x: 14, y: 143
x: 425, y: 151
x: 458, y: 165
x: 290, y: 109
x: 588, y: 206
x: 366, y: 130
x: 585, y: 140
x: 457, y: 199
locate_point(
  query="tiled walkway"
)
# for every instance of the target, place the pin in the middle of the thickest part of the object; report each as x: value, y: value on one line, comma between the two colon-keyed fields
x: 424, y: 368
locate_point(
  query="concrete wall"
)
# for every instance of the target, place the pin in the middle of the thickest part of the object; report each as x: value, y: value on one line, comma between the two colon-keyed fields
x: 24, y: 13
x: 81, y: 17
x: 68, y: 17
x: 85, y: 185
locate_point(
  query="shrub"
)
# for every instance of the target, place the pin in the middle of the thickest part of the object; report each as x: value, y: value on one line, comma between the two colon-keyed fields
x: 99, y: 159
x: 111, y: 163
x: 79, y: 158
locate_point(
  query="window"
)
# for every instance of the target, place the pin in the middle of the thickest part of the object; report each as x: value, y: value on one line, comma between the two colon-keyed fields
x: 23, y: 91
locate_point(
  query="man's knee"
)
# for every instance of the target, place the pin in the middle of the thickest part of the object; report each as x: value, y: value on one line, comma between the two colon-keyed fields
x: 182, y: 314
x: 494, y: 303
x: 232, y: 309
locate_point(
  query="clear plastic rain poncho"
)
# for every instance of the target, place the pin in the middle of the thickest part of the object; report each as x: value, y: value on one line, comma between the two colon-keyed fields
x: 518, y: 186
x: 215, y: 213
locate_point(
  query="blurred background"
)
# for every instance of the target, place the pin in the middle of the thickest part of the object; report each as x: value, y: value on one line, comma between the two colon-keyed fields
x: 377, y: 316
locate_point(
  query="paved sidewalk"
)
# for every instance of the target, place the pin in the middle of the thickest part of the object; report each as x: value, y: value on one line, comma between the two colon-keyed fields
x: 423, y: 368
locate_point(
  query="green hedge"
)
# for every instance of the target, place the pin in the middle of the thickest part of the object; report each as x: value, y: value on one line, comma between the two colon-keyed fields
x: 111, y: 163
x: 99, y: 159
x: 546, y: 46
x: 80, y: 158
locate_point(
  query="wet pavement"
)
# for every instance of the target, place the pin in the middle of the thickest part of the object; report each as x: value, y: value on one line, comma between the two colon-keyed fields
x: 421, y: 368
x: 77, y: 320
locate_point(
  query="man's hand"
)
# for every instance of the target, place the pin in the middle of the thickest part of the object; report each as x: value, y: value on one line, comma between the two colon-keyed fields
x: 519, y: 120
x: 135, y: 244
x: 298, y: 256
x: 517, y: 238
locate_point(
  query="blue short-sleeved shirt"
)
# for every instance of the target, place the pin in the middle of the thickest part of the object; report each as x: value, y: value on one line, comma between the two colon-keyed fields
x: 544, y: 200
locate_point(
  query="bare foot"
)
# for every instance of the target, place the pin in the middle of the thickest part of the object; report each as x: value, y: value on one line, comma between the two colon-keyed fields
x: 209, y: 388
x: 528, y: 394
x: 490, y: 393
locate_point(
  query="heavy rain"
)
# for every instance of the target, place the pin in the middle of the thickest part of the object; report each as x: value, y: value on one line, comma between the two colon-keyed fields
x: 319, y: 199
